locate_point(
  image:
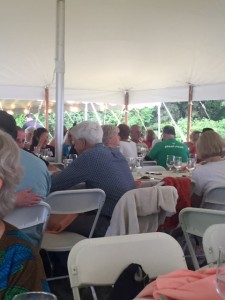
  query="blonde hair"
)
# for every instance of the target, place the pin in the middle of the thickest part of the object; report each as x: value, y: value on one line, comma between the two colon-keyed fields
x: 210, y: 144
x: 108, y: 132
x: 10, y: 172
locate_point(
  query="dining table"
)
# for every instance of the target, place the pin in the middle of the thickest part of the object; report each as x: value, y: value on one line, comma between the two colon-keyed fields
x: 145, y: 177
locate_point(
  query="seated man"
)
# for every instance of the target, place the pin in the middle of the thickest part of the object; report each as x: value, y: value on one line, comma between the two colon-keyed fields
x: 100, y: 167
x: 169, y: 146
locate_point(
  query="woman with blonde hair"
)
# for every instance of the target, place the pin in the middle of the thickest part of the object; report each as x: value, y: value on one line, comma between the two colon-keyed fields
x: 211, y: 173
x: 20, y: 264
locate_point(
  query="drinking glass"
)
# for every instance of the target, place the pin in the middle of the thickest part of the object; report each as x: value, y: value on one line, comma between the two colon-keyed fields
x: 35, y: 296
x: 139, y: 162
x: 220, y: 274
x: 178, y: 163
x: 44, y: 153
x: 191, y: 164
x: 72, y: 156
x: 67, y: 162
x: 170, y: 161
x: 131, y: 163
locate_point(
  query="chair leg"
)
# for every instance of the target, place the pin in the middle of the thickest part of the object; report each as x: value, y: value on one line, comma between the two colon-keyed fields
x: 93, y: 293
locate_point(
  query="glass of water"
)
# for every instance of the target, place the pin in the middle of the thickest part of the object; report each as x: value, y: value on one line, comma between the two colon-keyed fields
x: 35, y: 296
x: 178, y: 163
x: 170, y: 161
x: 220, y: 274
x: 131, y: 163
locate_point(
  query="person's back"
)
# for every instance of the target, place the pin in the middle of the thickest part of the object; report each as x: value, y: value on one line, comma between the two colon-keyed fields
x: 100, y: 167
x: 21, y: 263
x: 36, y: 175
x: 169, y: 146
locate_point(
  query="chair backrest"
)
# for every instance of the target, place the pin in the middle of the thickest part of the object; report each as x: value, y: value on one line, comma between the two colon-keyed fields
x: 142, y: 210
x: 153, y: 168
x: 100, y: 261
x: 30, y: 217
x: 149, y: 163
x: 77, y: 201
x: 213, y: 238
x: 215, y: 199
x: 195, y: 221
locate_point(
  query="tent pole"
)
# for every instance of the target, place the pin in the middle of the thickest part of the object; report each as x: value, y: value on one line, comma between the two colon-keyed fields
x: 190, y: 97
x: 159, y: 121
x: 85, y: 111
x: 46, y: 107
x: 60, y: 70
x: 96, y: 113
x: 126, y: 102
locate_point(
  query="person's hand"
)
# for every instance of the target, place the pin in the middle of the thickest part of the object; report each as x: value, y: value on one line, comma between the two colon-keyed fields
x: 27, y: 198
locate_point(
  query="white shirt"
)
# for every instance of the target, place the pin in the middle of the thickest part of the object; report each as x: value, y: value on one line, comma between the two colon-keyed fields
x: 208, y: 176
x: 128, y: 149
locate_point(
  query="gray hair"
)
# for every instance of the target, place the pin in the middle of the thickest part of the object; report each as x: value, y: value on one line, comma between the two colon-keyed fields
x: 10, y: 172
x: 89, y: 131
x: 108, y: 132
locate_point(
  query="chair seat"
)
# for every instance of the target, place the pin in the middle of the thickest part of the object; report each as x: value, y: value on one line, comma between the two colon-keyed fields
x: 63, y: 241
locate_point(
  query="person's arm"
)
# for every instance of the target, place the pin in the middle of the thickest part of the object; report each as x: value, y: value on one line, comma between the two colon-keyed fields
x: 196, y: 200
x: 27, y: 198
x: 71, y: 175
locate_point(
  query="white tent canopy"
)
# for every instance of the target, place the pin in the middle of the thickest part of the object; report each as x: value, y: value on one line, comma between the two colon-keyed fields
x: 152, y: 48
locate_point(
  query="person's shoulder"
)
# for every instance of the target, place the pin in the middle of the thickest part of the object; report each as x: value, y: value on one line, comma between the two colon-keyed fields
x: 30, y: 158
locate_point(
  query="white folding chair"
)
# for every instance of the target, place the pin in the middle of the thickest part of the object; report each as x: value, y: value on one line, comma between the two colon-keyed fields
x: 213, y: 238
x: 71, y: 202
x: 34, y: 218
x: 153, y: 169
x: 195, y: 221
x: 149, y: 163
x: 100, y: 261
x: 214, y: 199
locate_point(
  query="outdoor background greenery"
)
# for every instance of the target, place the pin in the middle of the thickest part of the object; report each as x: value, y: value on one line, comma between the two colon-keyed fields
x: 204, y: 114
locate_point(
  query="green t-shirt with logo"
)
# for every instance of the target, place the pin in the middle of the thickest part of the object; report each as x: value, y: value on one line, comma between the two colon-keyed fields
x: 169, y: 147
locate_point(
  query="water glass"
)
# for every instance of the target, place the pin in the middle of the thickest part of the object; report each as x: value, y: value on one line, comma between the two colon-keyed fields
x: 44, y: 153
x: 220, y: 274
x: 72, y: 156
x: 35, y: 296
x: 191, y: 164
x: 139, y: 162
x: 131, y: 163
x: 170, y: 159
x: 178, y: 163
x: 67, y: 162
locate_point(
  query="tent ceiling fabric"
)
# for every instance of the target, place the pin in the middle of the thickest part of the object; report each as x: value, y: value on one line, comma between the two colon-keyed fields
x: 152, y: 48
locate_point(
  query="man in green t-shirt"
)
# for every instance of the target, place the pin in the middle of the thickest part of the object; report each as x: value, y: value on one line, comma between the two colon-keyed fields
x: 169, y: 146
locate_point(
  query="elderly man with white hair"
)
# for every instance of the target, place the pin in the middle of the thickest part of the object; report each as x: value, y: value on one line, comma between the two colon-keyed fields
x: 100, y: 167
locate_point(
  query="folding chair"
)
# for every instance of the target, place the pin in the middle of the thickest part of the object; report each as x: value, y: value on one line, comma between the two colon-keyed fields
x: 195, y: 221
x: 214, y: 199
x: 71, y: 202
x: 213, y: 238
x: 153, y: 168
x: 32, y: 220
x: 149, y: 163
x: 100, y: 261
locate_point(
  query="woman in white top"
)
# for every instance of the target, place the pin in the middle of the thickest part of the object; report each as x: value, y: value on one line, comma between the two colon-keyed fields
x: 211, y: 173
x: 127, y: 147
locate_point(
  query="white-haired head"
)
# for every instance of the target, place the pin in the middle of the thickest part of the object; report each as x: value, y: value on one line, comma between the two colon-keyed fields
x: 90, y: 131
x: 10, y: 173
